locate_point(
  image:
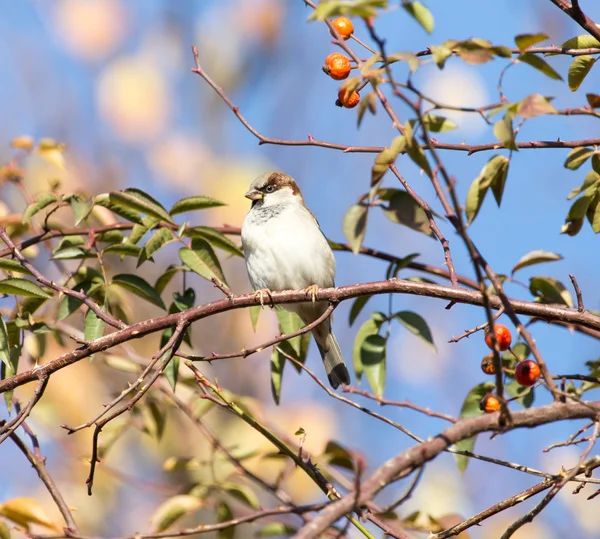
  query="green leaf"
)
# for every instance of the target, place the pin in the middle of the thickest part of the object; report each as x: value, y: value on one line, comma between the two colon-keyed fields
x: 201, y: 259
x: 6, y: 264
x: 593, y: 214
x: 585, y: 41
x: 386, y: 158
x: 540, y: 64
x: 404, y: 210
x: 524, y: 41
x: 215, y: 238
x: 138, y: 286
x: 475, y: 198
x: 242, y: 494
x: 224, y: 514
x: 470, y: 408
x: 370, y: 327
x: 549, y: 290
x: 81, y: 207
x: 416, y: 153
x: 72, y: 253
x: 194, y: 203
x: 493, y: 174
x: 123, y: 249
x: 276, y: 529
x: 357, y: 306
x: 417, y: 325
x: 578, y: 70
x: 290, y: 322
x: 372, y: 358
x: 337, y: 455
x: 166, y: 277
x: 579, y: 208
x: 160, y: 238
x: 421, y: 14
x: 438, y: 124
x: 172, y: 369
x: 355, y: 226
x: 43, y: 201
x: 22, y: 287
x: 140, y: 201
x: 185, y: 301
x: 577, y: 157
x: 535, y: 257
x: 93, y: 327
x: 503, y: 131
x: 525, y: 394
x: 172, y: 509
x: 440, y: 54
x: 534, y: 105
x: 277, y: 366
x: 333, y: 8
x: 104, y: 200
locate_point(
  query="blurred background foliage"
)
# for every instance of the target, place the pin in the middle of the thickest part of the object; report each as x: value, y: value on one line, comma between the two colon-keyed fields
x: 111, y: 79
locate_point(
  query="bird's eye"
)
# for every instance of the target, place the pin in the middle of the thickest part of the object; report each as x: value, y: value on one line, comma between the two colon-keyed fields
x: 269, y: 188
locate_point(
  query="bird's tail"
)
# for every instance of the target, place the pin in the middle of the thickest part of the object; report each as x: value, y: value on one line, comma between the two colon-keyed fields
x: 336, y: 370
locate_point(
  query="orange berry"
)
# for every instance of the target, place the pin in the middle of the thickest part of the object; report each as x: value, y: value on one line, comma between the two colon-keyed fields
x: 347, y: 99
x: 487, y: 364
x: 527, y: 373
x: 337, y: 66
x: 503, y: 337
x: 490, y: 404
x: 344, y: 27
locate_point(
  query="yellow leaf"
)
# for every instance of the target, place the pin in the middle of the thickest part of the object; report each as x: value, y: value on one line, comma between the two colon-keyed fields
x: 26, y: 511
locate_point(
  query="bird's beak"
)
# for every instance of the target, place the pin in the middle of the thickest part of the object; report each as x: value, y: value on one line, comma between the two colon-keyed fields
x: 254, y: 194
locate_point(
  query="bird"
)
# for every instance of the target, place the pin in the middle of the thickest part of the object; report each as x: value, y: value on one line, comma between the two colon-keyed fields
x: 285, y: 249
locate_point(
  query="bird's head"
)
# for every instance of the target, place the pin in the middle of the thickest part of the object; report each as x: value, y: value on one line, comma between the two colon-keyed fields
x: 273, y: 188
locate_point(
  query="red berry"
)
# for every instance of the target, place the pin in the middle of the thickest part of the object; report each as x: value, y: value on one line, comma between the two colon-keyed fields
x: 490, y: 404
x: 503, y: 337
x: 487, y: 364
x: 527, y: 372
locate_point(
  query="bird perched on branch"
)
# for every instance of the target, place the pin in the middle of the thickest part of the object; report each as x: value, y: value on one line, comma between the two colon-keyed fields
x: 286, y: 250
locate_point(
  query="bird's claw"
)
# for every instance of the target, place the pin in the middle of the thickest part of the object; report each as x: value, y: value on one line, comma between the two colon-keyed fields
x: 312, y: 292
x: 260, y: 294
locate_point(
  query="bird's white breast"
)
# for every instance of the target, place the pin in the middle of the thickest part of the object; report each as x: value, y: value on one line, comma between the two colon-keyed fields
x: 285, y: 249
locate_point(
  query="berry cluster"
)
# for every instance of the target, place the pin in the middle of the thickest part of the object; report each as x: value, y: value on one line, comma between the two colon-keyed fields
x: 526, y: 372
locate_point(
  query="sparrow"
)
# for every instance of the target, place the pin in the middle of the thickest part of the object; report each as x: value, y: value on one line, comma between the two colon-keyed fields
x: 285, y: 249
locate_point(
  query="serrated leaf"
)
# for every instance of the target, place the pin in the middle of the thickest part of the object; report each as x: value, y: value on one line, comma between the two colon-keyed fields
x: 171, y: 510
x: 201, y: 259
x: 421, y: 14
x: 194, y: 203
x: 470, y: 408
x: 72, y: 253
x: 160, y: 238
x: 138, y: 286
x: 540, y: 64
x: 243, y: 494
x: 577, y: 157
x: 404, y: 210
x: 534, y: 105
x: 166, y: 277
x: 139, y: 201
x: 123, y: 249
x: 417, y: 325
x: 355, y: 225
x: 586, y: 41
x: 524, y: 41
x: 578, y: 70
x: 549, y: 290
x: 215, y: 238
x: 14, y: 266
x: 93, y: 327
x: 121, y: 210
x: 26, y: 511
x: 43, y: 201
x: 357, y: 306
x: 372, y: 358
x: 22, y: 287
x: 535, y: 257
